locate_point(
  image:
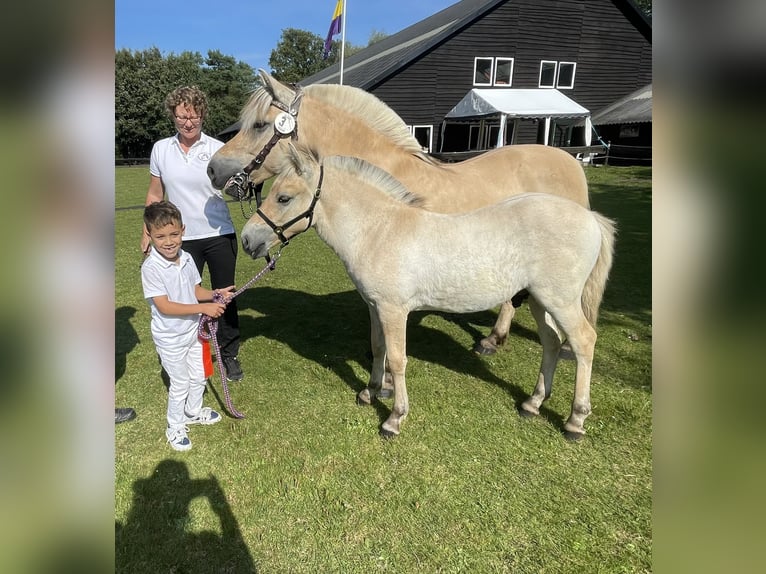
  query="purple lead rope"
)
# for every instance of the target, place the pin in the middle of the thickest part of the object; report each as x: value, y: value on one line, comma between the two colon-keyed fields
x: 208, y: 329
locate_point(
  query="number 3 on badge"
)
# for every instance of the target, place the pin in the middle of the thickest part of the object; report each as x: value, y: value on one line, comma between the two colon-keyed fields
x: 285, y: 123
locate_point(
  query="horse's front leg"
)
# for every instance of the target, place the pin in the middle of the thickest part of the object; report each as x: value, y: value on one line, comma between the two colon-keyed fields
x: 377, y: 373
x: 394, y: 325
x: 499, y: 334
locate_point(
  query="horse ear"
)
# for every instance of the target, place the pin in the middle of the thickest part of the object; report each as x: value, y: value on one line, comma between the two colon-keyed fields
x: 301, y: 160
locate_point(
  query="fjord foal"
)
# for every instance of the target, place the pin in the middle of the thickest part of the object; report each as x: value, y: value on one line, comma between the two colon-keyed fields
x: 342, y: 120
x: 402, y: 258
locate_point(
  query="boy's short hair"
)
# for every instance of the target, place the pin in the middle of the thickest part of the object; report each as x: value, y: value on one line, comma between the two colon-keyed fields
x: 161, y: 213
x: 190, y: 96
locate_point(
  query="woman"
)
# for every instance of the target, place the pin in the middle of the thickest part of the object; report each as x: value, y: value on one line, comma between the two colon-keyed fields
x: 178, y: 169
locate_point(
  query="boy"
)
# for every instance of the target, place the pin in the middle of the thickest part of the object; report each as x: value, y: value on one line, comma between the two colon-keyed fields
x: 172, y: 286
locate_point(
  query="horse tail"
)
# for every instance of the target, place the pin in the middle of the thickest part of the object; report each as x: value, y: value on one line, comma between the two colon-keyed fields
x: 596, y: 283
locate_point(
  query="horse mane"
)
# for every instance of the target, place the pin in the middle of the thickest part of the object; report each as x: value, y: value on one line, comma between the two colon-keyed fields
x: 363, y: 105
x: 376, y: 177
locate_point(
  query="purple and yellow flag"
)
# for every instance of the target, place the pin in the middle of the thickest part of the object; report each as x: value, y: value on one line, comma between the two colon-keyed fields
x: 335, y: 27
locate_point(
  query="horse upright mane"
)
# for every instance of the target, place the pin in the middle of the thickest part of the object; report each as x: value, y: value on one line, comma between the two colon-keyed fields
x: 363, y: 105
x: 376, y: 177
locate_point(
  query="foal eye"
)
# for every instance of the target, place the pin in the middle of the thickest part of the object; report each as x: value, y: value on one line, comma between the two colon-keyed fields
x: 283, y: 199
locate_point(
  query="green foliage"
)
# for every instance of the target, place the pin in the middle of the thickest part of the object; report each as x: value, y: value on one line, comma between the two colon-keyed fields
x: 144, y: 78
x: 298, y: 55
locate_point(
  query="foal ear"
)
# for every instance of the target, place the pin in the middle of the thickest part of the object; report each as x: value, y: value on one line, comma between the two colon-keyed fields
x: 302, y: 160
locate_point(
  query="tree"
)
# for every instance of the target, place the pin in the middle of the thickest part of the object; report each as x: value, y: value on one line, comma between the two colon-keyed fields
x: 298, y: 54
x: 144, y: 78
x: 645, y: 6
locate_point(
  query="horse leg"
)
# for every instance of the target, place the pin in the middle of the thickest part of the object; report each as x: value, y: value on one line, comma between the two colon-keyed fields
x: 378, y: 370
x: 551, y: 343
x: 394, y: 325
x: 582, y: 338
x: 499, y: 334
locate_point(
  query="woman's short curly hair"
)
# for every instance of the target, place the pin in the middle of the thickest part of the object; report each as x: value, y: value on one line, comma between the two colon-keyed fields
x: 190, y: 96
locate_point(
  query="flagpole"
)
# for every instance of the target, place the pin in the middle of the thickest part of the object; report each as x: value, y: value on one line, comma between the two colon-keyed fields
x: 342, y: 40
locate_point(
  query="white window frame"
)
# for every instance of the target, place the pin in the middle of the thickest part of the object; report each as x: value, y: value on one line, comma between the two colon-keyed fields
x: 555, y: 73
x: 491, y: 70
x: 430, y: 135
x: 497, y: 62
x: 558, y: 73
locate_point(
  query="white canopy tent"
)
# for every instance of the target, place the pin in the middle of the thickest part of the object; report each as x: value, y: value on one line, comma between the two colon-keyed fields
x: 505, y: 103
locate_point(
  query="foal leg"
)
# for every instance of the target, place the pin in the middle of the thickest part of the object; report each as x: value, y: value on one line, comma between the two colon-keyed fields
x: 394, y: 325
x: 582, y: 337
x: 377, y: 373
x: 499, y: 334
x: 551, y: 343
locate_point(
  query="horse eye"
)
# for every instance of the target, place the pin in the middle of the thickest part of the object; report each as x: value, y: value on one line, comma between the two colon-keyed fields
x: 259, y: 125
x: 284, y: 199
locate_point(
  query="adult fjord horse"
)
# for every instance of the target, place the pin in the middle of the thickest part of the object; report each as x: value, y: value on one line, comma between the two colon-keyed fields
x: 342, y: 120
x: 557, y: 250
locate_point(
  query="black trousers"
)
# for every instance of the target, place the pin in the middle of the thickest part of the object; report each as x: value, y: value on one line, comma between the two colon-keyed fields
x: 220, y: 254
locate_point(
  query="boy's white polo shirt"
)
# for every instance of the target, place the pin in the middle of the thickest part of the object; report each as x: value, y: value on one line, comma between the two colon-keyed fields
x: 162, y: 277
x: 188, y: 186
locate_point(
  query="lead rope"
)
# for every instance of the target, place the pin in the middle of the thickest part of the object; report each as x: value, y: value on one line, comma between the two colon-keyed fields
x: 208, y: 330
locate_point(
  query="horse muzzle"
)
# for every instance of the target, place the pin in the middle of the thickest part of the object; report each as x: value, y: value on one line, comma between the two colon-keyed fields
x: 257, y: 240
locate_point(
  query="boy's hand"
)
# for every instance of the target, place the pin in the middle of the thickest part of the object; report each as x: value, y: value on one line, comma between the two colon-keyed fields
x: 213, y: 310
x: 225, y: 292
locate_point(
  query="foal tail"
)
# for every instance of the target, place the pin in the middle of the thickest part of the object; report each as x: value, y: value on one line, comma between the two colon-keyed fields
x: 596, y: 283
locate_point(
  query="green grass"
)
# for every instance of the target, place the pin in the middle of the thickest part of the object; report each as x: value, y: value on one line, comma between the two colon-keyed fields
x: 305, y: 484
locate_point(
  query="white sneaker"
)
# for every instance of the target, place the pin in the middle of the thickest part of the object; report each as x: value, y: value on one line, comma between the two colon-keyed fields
x: 206, y: 416
x: 178, y: 438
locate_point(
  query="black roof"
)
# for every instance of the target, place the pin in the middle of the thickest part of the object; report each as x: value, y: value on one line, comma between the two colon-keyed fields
x: 632, y: 109
x: 374, y: 64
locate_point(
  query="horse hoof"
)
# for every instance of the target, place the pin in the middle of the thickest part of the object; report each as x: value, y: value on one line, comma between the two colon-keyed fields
x: 363, y: 401
x: 572, y: 436
x: 525, y: 414
x: 480, y: 349
x: 566, y: 353
x: 387, y: 434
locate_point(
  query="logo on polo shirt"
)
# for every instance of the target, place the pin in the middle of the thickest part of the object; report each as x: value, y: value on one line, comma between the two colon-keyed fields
x: 204, y: 156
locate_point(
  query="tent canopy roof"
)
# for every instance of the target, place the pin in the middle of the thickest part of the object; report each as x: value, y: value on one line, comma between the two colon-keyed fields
x: 517, y: 103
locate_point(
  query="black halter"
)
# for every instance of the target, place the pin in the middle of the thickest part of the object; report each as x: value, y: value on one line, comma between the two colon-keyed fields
x: 239, y: 185
x: 308, y: 214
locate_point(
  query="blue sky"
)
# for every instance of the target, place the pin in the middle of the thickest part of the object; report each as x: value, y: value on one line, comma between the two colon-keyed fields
x: 249, y: 30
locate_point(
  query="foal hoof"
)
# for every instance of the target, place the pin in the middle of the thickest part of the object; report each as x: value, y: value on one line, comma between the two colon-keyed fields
x: 526, y: 414
x: 482, y: 348
x: 572, y: 436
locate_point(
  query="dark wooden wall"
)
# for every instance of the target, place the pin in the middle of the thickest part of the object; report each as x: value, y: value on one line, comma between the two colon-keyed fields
x: 613, y: 58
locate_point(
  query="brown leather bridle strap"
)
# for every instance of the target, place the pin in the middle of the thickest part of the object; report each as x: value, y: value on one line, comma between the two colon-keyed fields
x: 293, y: 111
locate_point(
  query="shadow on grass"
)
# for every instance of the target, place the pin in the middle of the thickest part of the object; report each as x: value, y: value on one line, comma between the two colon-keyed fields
x: 333, y: 330
x: 156, y: 537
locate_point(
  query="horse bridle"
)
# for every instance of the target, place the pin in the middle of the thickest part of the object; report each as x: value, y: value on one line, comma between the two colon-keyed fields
x: 279, y: 230
x: 285, y: 125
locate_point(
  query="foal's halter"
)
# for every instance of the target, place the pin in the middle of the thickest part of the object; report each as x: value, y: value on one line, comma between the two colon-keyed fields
x: 239, y: 185
x: 308, y: 214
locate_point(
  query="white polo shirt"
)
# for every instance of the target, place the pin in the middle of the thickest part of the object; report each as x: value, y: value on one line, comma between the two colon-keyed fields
x: 162, y: 277
x: 188, y: 187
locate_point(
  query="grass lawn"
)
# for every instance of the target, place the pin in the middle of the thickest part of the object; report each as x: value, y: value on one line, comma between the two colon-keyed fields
x: 304, y: 484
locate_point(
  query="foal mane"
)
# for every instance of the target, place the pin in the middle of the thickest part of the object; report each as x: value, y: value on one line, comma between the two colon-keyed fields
x: 363, y: 105
x: 375, y: 177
